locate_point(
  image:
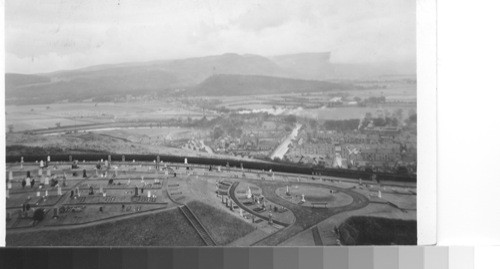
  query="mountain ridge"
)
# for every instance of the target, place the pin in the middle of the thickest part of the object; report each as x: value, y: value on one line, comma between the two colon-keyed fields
x: 161, y: 75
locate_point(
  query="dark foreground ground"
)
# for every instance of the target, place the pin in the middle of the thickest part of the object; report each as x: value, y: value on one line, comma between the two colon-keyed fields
x: 361, y: 230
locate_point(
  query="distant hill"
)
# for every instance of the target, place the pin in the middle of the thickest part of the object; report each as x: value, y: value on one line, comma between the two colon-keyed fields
x: 130, y: 78
x: 229, y: 85
x: 203, y: 74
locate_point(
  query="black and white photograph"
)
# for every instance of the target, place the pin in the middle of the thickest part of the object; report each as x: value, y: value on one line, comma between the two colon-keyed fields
x: 211, y: 123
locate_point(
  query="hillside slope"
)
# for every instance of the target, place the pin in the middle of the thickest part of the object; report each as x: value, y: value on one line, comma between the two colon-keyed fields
x: 229, y: 85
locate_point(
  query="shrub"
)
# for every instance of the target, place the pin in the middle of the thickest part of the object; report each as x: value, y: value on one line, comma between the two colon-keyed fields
x: 38, y: 215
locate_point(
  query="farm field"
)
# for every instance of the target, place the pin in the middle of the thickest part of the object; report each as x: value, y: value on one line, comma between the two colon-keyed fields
x: 28, y: 117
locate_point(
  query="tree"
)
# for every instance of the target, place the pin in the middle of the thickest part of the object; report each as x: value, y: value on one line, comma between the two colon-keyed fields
x: 38, y: 215
x: 413, y: 118
x: 218, y: 132
x: 291, y: 119
x: 313, y: 124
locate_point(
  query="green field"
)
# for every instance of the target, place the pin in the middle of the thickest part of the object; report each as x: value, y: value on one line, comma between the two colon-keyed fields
x: 224, y: 227
x: 161, y: 229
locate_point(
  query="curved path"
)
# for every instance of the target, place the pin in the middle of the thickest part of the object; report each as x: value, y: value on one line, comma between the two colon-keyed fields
x: 305, y: 217
x: 91, y: 223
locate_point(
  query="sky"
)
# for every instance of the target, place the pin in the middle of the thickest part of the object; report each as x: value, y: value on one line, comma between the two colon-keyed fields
x: 48, y: 35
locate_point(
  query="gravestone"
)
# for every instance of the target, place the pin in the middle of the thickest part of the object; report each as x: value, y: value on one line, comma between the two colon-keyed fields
x: 10, y: 176
x: 28, y: 173
x: 32, y: 182
x: 109, y: 159
x: 71, y: 194
x: 149, y: 194
x: 379, y: 194
x: 46, y: 181
x: 249, y: 193
x: 9, y: 185
x: 49, y: 173
x: 22, y: 162
x: 128, y: 182
x: 56, y: 213
x: 46, y: 193
x: 40, y: 172
x: 91, y: 190
x: 59, y: 190
x: 38, y: 194
x: 84, y: 173
x: 142, y: 190
x: 185, y: 161
x: 136, y: 191
x: 41, y: 164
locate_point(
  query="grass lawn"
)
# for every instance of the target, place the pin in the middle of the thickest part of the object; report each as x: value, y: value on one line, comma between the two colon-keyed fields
x: 162, y: 229
x: 362, y: 230
x: 223, y: 226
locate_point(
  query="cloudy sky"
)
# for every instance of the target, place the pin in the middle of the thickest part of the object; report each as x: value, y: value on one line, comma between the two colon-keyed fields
x: 48, y: 35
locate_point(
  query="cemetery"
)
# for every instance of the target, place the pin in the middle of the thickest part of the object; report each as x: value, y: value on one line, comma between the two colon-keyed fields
x: 314, y: 196
x: 215, y: 205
